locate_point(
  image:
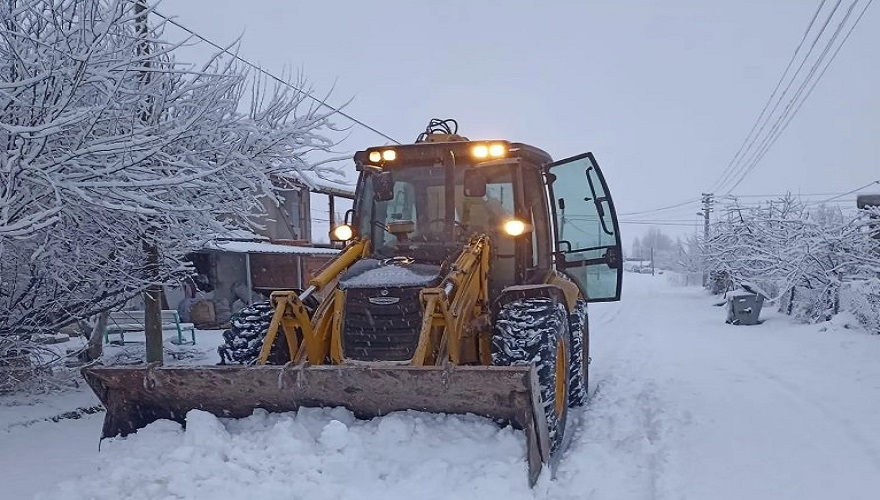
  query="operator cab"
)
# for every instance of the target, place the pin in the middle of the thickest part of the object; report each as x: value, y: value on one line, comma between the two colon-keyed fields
x: 428, y: 202
x: 425, y: 201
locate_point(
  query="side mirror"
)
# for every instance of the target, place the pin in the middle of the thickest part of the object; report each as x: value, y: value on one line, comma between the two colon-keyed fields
x: 474, y: 183
x: 383, y: 186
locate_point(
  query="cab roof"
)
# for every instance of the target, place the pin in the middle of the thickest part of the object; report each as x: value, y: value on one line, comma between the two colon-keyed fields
x: 435, y: 152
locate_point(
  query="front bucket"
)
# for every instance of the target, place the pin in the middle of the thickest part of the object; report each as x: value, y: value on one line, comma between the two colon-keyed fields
x: 137, y: 396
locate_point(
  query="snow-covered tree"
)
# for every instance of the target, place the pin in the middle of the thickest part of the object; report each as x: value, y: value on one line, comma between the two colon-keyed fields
x: 688, y: 258
x: 108, y: 146
x: 795, y: 254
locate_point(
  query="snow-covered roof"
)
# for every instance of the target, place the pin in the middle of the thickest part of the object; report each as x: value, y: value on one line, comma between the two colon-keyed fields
x: 263, y: 247
x: 314, y: 183
x: 325, y: 186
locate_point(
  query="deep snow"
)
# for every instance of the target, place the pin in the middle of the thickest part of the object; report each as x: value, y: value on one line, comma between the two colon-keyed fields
x: 683, y: 406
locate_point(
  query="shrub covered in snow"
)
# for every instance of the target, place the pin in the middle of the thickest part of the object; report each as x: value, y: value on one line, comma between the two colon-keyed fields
x: 813, y: 261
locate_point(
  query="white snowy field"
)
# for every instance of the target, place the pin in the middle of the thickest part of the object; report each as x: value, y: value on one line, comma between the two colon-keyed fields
x: 683, y: 407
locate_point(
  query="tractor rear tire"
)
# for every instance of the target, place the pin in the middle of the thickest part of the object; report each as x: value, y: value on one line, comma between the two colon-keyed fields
x: 580, y: 355
x: 535, y: 330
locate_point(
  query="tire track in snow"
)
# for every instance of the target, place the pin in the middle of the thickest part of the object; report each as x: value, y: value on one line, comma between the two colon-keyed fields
x: 620, y: 446
x: 623, y: 438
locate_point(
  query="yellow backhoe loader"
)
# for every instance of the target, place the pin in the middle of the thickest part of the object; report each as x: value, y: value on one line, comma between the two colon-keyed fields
x: 463, y: 288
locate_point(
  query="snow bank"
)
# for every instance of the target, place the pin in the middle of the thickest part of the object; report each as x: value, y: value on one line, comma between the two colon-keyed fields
x: 313, y: 453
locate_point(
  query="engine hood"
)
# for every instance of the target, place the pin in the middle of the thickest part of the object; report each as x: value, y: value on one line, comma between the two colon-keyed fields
x: 373, y: 273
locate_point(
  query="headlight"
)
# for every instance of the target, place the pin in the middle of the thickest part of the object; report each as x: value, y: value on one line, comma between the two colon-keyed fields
x: 515, y: 227
x: 342, y: 232
x: 493, y: 150
x: 481, y: 151
x: 497, y: 150
x: 380, y: 156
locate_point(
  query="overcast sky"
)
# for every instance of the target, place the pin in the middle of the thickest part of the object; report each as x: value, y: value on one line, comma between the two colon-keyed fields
x: 662, y: 92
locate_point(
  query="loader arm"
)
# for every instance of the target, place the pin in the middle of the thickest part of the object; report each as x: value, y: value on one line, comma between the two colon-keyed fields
x: 302, y: 334
x: 453, y: 309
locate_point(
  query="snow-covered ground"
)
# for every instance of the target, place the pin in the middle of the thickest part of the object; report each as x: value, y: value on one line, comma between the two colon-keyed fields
x: 683, y: 407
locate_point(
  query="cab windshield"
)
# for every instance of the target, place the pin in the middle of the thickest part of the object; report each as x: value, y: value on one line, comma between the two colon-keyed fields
x: 416, y: 223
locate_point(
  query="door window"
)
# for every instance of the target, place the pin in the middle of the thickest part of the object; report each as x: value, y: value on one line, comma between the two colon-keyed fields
x: 588, y: 240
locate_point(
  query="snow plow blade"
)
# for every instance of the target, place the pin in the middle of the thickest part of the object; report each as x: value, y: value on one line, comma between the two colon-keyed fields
x: 137, y: 396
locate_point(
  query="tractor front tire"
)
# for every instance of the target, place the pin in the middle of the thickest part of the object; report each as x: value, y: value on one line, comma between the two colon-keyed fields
x: 536, y: 331
x: 242, y: 342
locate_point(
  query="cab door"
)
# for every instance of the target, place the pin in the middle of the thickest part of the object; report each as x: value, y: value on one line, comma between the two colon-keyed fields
x: 587, y: 242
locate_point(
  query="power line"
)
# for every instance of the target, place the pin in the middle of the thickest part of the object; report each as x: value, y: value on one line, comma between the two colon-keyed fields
x: 660, y: 221
x: 744, y: 206
x: 834, y: 197
x: 797, y: 196
x: 654, y: 210
x: 742, y: 162
x: 692, y: 224
x: 811, y: 80
x: 816, y: 80
x: 782, y: 195
x: 729, y: 169
x: 851, y: 192
x: 277, y: 79
x: 740, y: 168
x: 757, y: 144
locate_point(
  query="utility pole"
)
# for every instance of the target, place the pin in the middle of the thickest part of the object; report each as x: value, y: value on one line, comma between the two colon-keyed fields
x: 708, y: 200
x: 153, y: 293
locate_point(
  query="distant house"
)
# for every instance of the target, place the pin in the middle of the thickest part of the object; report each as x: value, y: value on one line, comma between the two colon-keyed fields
x: 241, y: 268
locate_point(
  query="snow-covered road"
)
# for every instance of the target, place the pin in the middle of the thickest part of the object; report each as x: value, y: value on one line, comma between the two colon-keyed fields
x: 683, y: 407
x: 689, y: 407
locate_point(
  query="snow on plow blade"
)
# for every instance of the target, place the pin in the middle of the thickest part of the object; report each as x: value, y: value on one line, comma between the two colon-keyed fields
x: 137, y: 396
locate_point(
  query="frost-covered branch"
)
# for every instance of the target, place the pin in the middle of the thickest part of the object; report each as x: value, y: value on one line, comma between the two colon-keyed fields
x: 96, y: 158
